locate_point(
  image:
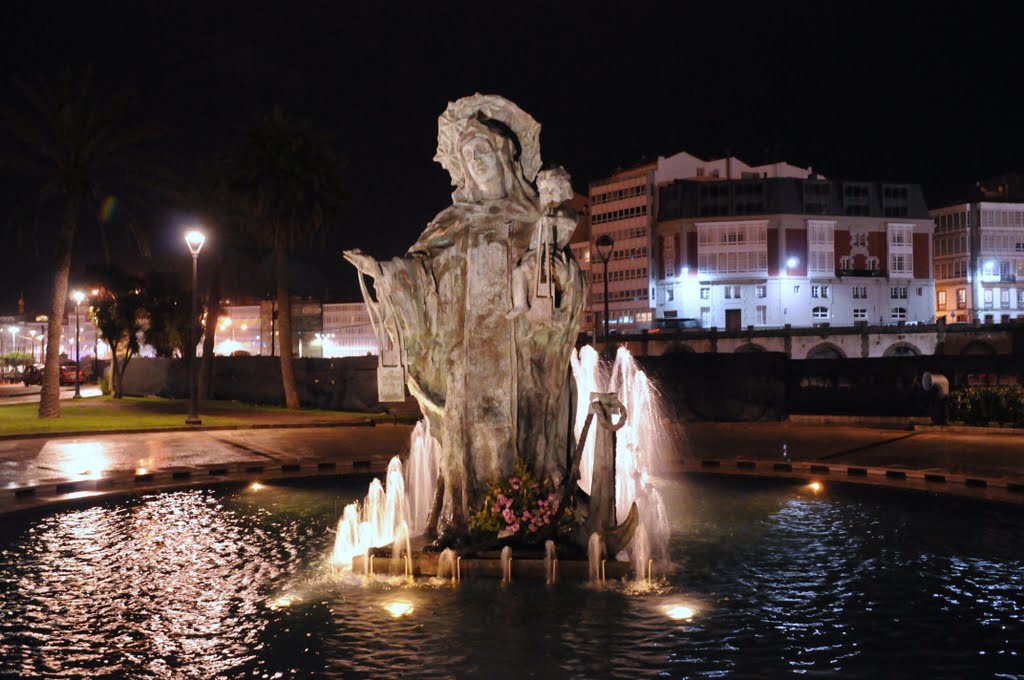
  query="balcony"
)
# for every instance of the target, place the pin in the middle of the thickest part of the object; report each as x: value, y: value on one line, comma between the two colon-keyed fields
x: 864, y: 273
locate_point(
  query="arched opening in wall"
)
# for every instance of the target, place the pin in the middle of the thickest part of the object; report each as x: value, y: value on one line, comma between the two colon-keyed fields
x: 976, y: 348
x: 679, y: 348
x: 749, y: 348
x: 826, y: 350
x: 901, y: 349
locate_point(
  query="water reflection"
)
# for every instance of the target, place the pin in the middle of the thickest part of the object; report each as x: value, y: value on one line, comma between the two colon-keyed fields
x: 84, y: 460
x: 770, y: 580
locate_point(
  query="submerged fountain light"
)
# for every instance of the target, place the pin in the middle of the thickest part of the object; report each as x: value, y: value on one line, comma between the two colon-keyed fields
x: 256, y: 486
x: 679, y: 612
x: 816, y: 487
x: 398, y: 608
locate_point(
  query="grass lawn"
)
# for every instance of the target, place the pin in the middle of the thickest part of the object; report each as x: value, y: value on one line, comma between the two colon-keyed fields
x: 96, y: 414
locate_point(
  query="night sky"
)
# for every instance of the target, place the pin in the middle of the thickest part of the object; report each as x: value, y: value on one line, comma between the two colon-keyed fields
x: 872, y: 91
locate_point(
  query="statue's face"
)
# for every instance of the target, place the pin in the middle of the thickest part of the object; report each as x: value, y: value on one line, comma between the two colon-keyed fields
x: 484, y: 168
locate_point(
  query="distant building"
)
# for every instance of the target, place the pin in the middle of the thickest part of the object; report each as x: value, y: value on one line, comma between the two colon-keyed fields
x: 767, y: 251
x: 319, y: 330
x: 979, y: 254
x: 624, y: 207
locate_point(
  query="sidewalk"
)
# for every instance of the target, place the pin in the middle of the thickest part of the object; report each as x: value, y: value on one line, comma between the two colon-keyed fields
x: 38, y: 470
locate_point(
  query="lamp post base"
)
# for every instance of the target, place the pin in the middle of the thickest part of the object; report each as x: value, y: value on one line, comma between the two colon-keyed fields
x: 193, y: 420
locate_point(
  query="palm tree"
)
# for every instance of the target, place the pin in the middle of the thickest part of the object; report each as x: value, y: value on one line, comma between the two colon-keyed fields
x: 79, y: 144
x: 286, y: 181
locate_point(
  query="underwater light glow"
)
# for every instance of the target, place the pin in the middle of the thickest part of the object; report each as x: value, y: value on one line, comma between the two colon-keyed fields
x: 679, y: 612
x: 398, y: 608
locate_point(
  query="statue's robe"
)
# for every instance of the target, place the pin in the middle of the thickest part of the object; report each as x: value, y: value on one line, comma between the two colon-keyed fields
x: 494, y: 388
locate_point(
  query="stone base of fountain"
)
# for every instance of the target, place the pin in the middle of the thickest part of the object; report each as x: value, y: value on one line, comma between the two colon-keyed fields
x: 528, y: 566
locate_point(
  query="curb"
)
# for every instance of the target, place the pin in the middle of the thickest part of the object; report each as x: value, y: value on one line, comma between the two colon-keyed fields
x: 1005, y: 490
x: 59, y: 492
x: 367, y: 422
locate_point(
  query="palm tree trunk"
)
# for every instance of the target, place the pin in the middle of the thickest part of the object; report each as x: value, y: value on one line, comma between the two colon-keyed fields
x: 212, y: 319
x: 49, y: 395
x: 284, y: 325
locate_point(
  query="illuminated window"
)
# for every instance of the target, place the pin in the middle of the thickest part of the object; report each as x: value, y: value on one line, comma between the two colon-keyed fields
x: 941, y: 299
x: 961, y: 298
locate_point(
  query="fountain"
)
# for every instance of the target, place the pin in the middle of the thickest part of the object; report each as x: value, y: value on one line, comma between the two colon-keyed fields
x: 479, y: 320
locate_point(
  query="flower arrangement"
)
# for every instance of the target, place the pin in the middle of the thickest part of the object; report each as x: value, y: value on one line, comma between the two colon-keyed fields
x: 517, y: 506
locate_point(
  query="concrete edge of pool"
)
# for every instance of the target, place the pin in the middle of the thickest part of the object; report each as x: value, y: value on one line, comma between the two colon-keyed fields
x: 17, y: 498
x: 1003, y: 490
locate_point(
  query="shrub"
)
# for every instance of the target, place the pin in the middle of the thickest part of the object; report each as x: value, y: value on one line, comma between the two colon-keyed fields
x: 981, y: 405
x: 103, y: 379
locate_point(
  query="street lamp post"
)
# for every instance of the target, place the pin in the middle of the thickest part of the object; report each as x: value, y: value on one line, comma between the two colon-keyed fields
x: 77, y: 296
x: 605, y: 244
x: 195, y: 240
x: 32, y: 339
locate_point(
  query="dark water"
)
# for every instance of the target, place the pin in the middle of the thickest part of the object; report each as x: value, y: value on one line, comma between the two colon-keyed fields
x: 205, y: 584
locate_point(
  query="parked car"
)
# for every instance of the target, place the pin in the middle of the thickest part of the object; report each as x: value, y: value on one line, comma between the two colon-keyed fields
x: 33, y: 375
x: 67, y: 373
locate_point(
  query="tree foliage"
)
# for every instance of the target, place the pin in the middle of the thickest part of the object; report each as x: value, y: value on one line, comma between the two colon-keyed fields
x: 285, y: 182
x: 79, y: 143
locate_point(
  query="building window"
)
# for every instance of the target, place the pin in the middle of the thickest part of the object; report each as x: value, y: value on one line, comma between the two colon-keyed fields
x: 819, y: 291
x: 732, y: 292
x: 860, y: 314
x: 860, y: 292
x: 670, y: 293
x: 1020, y: 297
x: 705, y: 293
x: 761, y: 291
x: 898, y: 292
x: 920, y: 291
x: 987, y: 298
x: 941, y: 299
x: 898, y: 314
x: 1004, y: 297
x: 705, y: 317
x: 845, y: 262
x: 819, y: 313
x: 762, y: 315
x: 899, y: 264
x: 859, y: 239
x: 796, y: 290
x: 961, y: 298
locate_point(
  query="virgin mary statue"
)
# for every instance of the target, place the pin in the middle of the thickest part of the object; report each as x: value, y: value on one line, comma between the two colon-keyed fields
x: 492, y: 384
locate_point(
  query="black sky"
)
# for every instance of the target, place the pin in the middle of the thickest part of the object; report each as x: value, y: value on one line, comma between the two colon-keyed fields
x: 878, y: 91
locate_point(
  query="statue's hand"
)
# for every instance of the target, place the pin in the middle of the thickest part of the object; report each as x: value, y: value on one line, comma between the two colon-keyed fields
x: 363, y: 262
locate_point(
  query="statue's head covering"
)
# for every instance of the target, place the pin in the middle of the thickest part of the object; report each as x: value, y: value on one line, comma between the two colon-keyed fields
x: 467, y: 116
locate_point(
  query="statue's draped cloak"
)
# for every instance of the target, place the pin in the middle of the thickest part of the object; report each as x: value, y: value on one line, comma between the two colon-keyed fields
x: 494, y: 388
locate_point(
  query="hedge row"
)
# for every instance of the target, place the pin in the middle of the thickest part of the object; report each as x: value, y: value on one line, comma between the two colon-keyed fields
x: 982, y: 405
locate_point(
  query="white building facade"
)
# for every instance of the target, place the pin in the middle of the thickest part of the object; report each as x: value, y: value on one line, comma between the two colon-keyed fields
x: 768, y: 253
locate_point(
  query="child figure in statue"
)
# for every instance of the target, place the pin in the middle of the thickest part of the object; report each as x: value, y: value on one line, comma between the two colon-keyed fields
x: 557, y: 222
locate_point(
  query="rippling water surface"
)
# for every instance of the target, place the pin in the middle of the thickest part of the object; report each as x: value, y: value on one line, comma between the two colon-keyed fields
x: 215, y: 583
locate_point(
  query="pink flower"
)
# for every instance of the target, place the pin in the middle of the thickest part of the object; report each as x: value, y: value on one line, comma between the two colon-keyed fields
x: 497, y: 507
x: 514, y: 528
x: 514, y: 482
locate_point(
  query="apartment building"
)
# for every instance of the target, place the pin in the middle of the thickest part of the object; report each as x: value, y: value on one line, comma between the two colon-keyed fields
x: 623, y: 207
x: 789, y: 250
x: 979, y: 258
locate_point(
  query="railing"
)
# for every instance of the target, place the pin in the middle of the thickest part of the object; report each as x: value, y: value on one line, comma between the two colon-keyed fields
x: 874, y: 273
